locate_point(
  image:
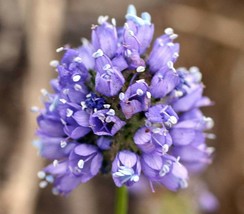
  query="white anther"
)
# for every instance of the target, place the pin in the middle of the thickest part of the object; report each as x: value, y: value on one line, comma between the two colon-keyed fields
x: 62, y: 100
x: 102, y: 19
x: 77, y: 87
x: 66, y: 91
x: 156, y: 130
x: 111, y: 112
x: 175, y: 55
x: 83, y: 105
x: 49, y: 178
x: 44, y: 92
x: 173, y: 120
x: 43, y: 184
x: 55, y: 163
x: 149, y: 95
x: 135, y: 178
x: 88, y: 95
x: 178, y: 93
x: 59, y: 49
x: 140, y: 69
x: 106, y: 67
x: 169, y: 31
x: 170, y: 44
x: 183, y: 183
x: 34, y: 109
x: 97, y: 54
x: 106, y: 106
x: 77, y: 59
x: 141, y: 81
x: 54, y: 63
x: 196, y: 73
x: 209, y: 122
x: 113, y: 20
x: 69, y: 112
x: 173, y: 36
x: 139, y: 92
x: 76, y: 78
x: 210, y: 150
x: 41, y: 174
x: 55, y: 191
x: 126, y: 25
x: 63, y: 144
x: 128, y: 53
x: 170, y: 64
x: 81, y: 163
x: 210, y: 136
x: 84, y: 41
x: 165, y: 148
x: 108, y: 119
x: 121, y: 96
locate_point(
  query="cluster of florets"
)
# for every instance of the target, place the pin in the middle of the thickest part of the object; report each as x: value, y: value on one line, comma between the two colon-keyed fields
x: 116, y: 109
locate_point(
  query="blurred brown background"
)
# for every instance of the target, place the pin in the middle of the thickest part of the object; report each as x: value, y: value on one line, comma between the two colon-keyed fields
x: 211, y: 37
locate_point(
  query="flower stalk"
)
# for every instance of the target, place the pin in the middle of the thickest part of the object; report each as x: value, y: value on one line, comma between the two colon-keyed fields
x: 121, y: 200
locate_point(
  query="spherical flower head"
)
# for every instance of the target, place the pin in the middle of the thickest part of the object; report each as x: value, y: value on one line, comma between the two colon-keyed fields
x: 119, y: 109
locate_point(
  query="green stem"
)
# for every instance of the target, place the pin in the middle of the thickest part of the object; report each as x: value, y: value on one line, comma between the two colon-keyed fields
x: 121, y: 200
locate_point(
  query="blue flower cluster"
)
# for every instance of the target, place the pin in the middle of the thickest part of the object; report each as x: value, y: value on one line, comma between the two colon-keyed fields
x: 118, y: 109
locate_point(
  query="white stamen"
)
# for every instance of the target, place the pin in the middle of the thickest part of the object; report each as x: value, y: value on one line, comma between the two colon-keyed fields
x: 54, y: 63
x: 62, y: 100
x: 102, y: 19
x: 77, y: 87
x: 173, y: 120
x: 106, y: 67
x: 178, y: 93
x: 141, y: 81
x: 55, y: 163
x: 66, y: 91
x: 175, y: 55
x: 43, y: 184
x: 55, y: 191
x: 76, y: 78
x: 84, y: 41
x: 139, y: 92
x: 149, y: 95
x: 111, y: 112
x: 83, y: 105
x: 173, y: 36
x: 196, y: 73
x: 41, y: 174
x: 135, y: 178
x: 169, y: 31
x: 170, y: 44
x: 113, y: 20
x: 210, y: 150
x: 170, y: 64
x: 131, y: 33
x: 140, y: 69
x: 106, y: 106
x: 210, y: 136
x: 63, y: 121
x: 59, y: 49
x: 165, y: 148
x: 183, y: 183
x: 97, y: 54
x: 50, y: 179
x: 78, y: 59
x: 44, y: 92
x: 63, y: 144
x: 34, y: 109
x: 209, y: 122
x: 69, y: 112
x: 88, y: 95
x: 128, y: 53
x: 81, y: 163
x: 108, y: 119
x: 121, y: 96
